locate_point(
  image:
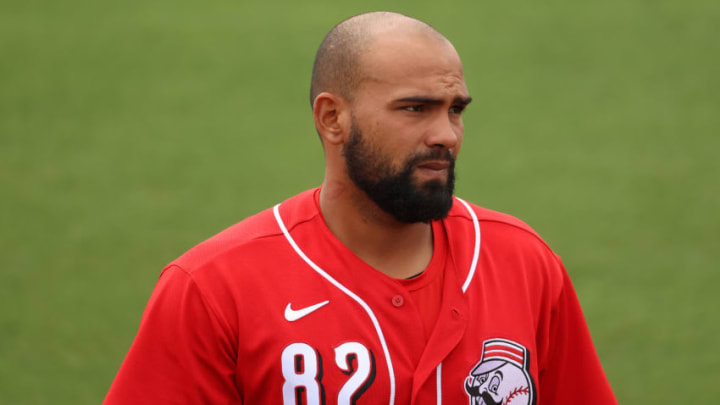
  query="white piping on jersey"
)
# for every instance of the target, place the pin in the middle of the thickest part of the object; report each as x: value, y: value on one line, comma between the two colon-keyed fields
x: 476, y: 252
x: 376, y: 324
x: 342, y: 288
x: 438, y: 381
x: 471, y: 273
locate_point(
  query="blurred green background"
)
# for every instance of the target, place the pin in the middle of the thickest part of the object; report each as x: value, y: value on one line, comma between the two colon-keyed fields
x: 129, y: 131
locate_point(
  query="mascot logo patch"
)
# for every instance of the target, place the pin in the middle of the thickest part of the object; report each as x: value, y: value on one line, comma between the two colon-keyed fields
x: 502, y: 375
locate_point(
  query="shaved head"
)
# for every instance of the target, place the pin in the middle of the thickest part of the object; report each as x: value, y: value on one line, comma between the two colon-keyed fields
x: 338, y: 67
x: 388, y: 92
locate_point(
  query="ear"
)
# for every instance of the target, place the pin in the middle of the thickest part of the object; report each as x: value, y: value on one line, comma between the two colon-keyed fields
x: 332, y: 118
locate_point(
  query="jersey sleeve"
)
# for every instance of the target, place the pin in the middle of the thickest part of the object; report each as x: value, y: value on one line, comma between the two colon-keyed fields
x: 570, y: 371
x: 182, y: 354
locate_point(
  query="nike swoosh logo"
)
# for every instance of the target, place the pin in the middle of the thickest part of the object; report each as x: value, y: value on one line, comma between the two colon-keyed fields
x: 293, y: 315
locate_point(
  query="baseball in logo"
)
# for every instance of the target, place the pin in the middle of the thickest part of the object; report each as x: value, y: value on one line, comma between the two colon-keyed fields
x: 502, y: 376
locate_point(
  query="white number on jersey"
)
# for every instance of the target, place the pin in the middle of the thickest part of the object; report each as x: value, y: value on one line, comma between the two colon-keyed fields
x: 302, y: 370
x: 345, y: 355
x: 300, y: 367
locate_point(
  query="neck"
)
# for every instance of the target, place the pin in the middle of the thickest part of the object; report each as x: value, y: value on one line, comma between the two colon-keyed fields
x: 398, y: 249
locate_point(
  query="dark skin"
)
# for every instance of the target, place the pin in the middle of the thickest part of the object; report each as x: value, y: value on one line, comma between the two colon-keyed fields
x: 410, y: 100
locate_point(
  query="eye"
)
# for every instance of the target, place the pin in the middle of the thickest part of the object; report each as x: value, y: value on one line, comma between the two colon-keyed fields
x: 457, y: 109
x: 482, y: 378
x: 494, y: 384
x: 413, y: 108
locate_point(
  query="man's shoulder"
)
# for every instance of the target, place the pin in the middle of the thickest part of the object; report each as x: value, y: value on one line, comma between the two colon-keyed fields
x: 245, y: 236
x: 504, y: 243
x: 472, y: 212
x: 495, y: 223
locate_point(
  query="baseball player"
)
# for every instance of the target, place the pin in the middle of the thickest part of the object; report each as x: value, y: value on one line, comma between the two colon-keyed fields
x: 380, y: 286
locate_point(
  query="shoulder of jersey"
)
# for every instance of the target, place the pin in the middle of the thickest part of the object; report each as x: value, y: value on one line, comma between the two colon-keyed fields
x: 246, y: 232
x: 485, y: 217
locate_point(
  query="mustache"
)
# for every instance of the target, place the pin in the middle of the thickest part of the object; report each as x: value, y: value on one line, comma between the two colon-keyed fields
x: 436, y: 154
x: 474, y: 393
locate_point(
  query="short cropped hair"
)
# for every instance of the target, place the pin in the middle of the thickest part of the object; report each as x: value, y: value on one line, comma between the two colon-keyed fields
x: 337, y: 67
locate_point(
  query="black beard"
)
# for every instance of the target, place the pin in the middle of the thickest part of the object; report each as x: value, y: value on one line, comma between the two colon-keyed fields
x: 395, y: 193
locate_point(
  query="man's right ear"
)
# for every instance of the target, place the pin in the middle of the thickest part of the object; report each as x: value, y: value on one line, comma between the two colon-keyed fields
x: 332, y: 118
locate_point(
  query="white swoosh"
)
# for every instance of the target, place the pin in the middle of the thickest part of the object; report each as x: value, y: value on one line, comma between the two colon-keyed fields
x: 293, y: 315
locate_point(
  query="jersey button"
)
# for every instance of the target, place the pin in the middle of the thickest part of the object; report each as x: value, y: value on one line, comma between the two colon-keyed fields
x: 398, y: 301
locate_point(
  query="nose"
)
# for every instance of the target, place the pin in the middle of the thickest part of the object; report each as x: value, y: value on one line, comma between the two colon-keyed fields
x: 444, y: 133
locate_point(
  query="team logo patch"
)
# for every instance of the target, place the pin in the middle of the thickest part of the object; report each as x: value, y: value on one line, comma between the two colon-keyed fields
x: 502, y: 376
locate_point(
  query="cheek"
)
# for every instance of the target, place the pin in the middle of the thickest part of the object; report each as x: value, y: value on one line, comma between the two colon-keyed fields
x: 460, y: 134
x: 396, y: 142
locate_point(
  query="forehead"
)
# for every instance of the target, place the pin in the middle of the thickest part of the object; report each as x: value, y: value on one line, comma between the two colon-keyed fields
x: 411, y: 65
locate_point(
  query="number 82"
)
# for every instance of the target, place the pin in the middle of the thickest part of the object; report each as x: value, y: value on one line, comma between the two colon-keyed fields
x: 302, y: 370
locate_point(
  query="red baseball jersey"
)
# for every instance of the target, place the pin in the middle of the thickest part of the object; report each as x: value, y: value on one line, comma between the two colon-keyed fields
x: 275, y: 310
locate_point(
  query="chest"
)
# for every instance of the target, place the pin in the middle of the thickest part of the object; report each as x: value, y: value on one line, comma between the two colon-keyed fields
x: 306, y: 338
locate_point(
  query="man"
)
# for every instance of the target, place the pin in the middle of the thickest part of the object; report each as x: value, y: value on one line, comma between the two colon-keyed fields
x: 379, y: 287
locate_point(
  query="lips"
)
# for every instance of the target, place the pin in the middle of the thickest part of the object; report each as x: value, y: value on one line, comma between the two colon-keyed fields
x: 435, y: 165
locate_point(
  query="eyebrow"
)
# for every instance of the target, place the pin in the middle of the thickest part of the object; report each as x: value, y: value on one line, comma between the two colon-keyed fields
x: 433, y: 101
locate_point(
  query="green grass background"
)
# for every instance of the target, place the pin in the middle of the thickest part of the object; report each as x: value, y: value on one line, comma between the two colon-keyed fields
x: 129, y: 131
